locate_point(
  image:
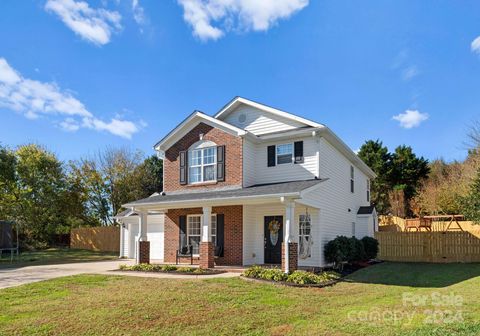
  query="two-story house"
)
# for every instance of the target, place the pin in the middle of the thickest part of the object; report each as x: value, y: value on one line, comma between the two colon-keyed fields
x: 250, y: 185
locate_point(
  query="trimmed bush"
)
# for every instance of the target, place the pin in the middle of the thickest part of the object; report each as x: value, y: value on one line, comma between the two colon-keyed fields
x: 371, y: 247
x: 253, y: 271
x: 169, y: 268
x: 344, y: 249
x: 296, y: 277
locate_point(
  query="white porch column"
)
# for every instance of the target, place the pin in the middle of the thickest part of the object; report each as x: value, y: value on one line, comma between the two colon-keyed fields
x: 207, y: 256
x: 289, y: 223
x: 206, y: 224
x: 122, y: 233
x: 142, y: 234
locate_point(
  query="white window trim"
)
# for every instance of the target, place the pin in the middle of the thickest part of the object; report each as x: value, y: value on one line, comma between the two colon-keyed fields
x: 302, y: 233
x: 214, y: 241
x: 293, y: 153
x: 202, y: 165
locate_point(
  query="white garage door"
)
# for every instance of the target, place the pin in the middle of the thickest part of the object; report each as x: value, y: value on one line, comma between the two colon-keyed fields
x: 155, y: 236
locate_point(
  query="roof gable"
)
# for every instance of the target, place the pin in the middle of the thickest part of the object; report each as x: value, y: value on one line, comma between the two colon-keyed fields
x: 189, y: 123
x: 260, y: 118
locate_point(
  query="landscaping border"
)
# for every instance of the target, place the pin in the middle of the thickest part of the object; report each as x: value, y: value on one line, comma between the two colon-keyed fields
x: 291, y: 284
x: 174, y: 272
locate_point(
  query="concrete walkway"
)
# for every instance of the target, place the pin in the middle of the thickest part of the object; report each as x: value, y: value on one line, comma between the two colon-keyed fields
x: 10, y: 277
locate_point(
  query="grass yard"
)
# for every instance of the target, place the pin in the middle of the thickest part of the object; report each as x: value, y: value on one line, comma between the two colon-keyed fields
x: 56, y: 256
x: 365, y: 305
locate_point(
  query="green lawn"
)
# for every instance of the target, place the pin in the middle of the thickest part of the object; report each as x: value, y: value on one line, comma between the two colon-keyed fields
x: 365, y: 305
x: 55, y: 256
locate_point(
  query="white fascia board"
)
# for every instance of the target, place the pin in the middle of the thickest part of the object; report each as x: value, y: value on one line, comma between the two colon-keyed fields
x: 254, y: 199
x: 345, y: 150
x: 190, y: 122
x: 289, y: 134
x: 239, y: 100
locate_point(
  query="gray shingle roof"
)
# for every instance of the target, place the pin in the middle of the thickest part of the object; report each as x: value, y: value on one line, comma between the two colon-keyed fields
x: 255, y: 190
x: 366, y: 210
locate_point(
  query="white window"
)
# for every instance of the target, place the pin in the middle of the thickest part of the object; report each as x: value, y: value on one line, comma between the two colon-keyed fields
x: 285, y: 153
x: 304, y: 237
x: 368, y: 190
x: 352, y: 179
x: 202, y: 165
x: 194, y: 231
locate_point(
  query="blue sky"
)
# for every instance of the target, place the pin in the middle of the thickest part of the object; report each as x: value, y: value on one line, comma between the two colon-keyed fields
x: 78, y: 77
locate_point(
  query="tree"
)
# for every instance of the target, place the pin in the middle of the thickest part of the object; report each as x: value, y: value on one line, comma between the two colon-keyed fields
x: 8, y: 182
x: 473, y: 136
x: 114, y: 177
x: 39, y: 191
x: 471, y: 203
x: 377, y: 157
x: 408, y: 171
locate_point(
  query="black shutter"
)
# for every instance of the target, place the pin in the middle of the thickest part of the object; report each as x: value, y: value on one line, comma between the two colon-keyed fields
x: 183, y: 167
x: 221, y: 163
x: 183, y: 231
x: 271, y: 156
x: 220, y: 234
x: 298, y: 151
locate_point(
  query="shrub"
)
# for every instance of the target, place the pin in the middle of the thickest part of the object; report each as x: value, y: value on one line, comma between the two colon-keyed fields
x: 371, y: 247
x: 199, y: 271
x: 186, y: 269
x: 305, y: 278
x: 343, y: 249
x: 169, y: 268
x: 357, y: 251
x: 253, y: 271
x: 274, y: 274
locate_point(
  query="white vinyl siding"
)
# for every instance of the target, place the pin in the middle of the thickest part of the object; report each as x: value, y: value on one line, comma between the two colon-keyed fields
x: 260, y: 122
x: 249, y: 152
x: 257, y: 172
x: 338, y: 206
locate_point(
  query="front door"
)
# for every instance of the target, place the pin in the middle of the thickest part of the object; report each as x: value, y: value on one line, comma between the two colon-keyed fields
x: 273, y: 228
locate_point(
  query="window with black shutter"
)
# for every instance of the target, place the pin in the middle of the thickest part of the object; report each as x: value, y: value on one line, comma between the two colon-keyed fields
x: 183, y: 167
x: 271, y: 156
x: 221, y: 163
x: 298, y: 151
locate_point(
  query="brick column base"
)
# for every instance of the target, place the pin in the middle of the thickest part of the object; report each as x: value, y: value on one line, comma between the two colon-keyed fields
x: 144, y: 252
x: 207, y: 257
x: 292, y: 256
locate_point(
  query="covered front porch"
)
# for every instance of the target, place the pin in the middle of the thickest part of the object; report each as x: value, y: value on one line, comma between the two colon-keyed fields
x: 254, y: 228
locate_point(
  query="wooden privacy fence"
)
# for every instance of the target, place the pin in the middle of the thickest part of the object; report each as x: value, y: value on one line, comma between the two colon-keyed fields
x: 397, y: 224
x: 105, y: 238
x: 438, y: 247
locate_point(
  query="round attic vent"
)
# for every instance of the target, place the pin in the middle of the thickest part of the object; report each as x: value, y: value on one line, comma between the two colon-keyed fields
x: 242, y: 118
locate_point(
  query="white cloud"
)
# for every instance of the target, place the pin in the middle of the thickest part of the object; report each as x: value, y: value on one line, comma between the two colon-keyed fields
x: 409, y: 72
x: 476, y: 45
x: 35, y: 99
x: 236, y: 14
x: 138, y: 12
x: 411, y: 118
x: 93, y: 25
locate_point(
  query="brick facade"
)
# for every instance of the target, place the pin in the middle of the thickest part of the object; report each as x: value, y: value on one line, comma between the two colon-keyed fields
x: 144, y: 252
x: 233, y: 233
x: 233, y: 158
x: 207, y: 259
x: 292, y: 256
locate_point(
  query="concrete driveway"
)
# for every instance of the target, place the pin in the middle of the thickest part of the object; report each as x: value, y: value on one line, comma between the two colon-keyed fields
x: 10, y: 277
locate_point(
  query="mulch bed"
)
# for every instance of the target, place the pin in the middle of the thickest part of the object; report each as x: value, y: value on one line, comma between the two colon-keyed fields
x: 208, y: 272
